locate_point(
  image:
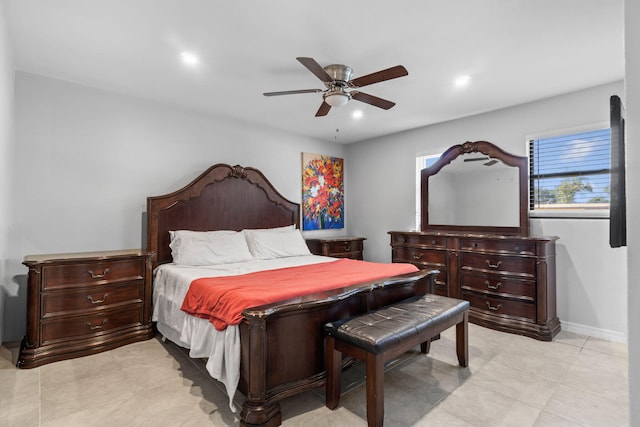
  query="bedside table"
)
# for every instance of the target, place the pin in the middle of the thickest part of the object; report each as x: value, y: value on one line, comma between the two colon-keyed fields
x: 85, y: 303
x: 337, y: 247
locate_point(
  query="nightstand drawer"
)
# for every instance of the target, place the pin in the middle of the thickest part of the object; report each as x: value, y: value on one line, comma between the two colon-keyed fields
x: 90, y: 299
x: 344, y: 247
x: 91, y: 273
x: 338, y: 247
x: 91, y: 325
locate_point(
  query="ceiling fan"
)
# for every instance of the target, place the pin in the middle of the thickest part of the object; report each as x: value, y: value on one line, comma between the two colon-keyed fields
x: 337, y: 80
x: 490, y: 161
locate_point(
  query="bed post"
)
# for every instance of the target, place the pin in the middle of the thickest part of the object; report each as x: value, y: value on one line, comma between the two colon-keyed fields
x: 256, y: 411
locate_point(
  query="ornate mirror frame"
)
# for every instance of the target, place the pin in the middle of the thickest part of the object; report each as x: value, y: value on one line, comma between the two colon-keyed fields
x: 492, y: 151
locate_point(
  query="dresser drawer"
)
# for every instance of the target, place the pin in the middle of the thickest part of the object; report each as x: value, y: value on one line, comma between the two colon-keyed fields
x: 496, y: 306
x: 419, y: 257
x: 83, y: 326
x: 90, y: 273
x: 91, y: 299
x: 518, y: 266
x: 501, y: 246
x: 420, y: 240
x: 494, y: 284
x: 426, y: 260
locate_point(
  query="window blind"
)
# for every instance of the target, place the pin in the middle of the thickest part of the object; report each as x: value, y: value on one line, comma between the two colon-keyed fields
x: 570, y: 171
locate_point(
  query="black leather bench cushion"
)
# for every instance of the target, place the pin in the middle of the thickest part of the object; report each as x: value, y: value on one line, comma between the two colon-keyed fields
x: 385, y: 327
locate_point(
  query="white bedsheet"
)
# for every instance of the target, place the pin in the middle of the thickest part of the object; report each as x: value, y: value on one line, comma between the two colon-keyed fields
x: 222, y: 348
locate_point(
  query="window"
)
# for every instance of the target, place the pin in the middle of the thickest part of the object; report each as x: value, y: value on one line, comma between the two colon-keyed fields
x: 421, y: 163
x: 570, y: 174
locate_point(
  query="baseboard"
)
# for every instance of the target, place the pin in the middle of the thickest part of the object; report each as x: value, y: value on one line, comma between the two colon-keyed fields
x: 604, y: 334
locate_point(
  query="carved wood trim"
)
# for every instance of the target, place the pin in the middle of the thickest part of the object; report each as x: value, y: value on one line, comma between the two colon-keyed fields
x: 192, y: 198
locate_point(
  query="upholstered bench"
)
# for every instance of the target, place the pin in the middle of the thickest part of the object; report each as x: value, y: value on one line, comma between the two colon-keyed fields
x: 386, y: 333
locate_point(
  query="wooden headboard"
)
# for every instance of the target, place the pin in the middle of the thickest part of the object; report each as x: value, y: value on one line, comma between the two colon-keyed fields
x: 223, y: 197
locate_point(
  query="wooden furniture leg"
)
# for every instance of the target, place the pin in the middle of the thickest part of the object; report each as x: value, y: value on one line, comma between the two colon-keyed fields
x: 375, y: 389
x: 334, y: 374
x: 462, y: 341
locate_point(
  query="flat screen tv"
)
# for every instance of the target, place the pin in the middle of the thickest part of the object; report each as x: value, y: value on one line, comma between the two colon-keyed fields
x: 618, y: 201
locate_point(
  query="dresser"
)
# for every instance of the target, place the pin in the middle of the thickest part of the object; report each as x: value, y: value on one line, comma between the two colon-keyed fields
x: 508, y: 280
x: 338, y: 247
x: 84, y: 303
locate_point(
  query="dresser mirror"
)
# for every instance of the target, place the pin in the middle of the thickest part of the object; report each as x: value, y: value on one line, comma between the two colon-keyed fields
x: 476, y: 187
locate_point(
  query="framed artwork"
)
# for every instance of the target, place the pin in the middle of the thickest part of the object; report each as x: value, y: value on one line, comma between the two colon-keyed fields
x: 322, y: 192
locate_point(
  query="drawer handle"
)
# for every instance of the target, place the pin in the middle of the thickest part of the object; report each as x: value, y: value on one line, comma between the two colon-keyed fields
x: 490, y: 307
x: 98, y: 276
x: 497, y: 265
x: 97, y: 301
x: 347, y: 248
x: 418, y: 257
x: 494, y: 287
x: 94, y: 327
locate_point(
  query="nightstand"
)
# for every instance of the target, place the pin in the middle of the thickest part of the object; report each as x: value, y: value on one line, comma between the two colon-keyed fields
x: 337, y: 247
x: 85, y: 303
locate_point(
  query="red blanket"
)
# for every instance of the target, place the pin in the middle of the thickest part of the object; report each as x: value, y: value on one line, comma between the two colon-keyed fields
x: 221, y: 300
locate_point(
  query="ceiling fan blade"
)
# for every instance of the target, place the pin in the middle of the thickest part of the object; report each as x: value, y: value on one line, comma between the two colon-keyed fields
x: 323, y: 110
x: 373, y: 100
x: 292, y: 92
x: 380, y: 76
x: 315, y: 68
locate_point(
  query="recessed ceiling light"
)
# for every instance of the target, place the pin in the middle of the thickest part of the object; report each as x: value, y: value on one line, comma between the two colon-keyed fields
x: 189, y: 59
x: 462, y: 81
x: 357, y: 114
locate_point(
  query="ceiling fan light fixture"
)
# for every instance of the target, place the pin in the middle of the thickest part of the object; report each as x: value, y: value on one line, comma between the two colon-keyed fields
x: 190, y: 59
x: 336, y: 99
x: 338, y: 82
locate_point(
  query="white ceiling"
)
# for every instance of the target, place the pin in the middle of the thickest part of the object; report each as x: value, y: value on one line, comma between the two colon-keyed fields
x: 515, y: 51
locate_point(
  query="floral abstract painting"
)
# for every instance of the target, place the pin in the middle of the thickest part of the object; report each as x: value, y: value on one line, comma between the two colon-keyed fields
x: 322, y: 192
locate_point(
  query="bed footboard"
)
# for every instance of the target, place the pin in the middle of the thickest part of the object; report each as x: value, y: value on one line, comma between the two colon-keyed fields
x: 283, y: 343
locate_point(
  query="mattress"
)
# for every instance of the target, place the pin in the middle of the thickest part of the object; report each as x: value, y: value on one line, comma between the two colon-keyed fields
x: 220, y: 348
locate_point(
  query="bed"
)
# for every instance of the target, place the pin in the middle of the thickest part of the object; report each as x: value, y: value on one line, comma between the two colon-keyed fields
x: 280, y: 344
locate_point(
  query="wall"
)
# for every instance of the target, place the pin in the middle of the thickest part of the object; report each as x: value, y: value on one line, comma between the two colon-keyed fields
x: 86, y: 160
x: 591, y: 276
x: 6, y: 165
x: 632, y: 96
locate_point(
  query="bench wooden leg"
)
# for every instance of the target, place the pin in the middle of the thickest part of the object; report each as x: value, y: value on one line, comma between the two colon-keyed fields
x: 333, y: 361
x: 462, y: 341
x: 375, y: 389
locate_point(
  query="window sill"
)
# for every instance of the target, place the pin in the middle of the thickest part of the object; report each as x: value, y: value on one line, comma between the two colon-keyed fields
x: 571, y: 213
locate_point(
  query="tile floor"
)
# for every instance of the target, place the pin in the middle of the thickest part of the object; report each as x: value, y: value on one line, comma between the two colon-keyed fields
x: 512, y: 381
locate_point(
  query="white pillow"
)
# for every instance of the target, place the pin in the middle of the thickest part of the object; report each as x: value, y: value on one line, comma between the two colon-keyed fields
x: 209, y: 248
x: 265, y: 244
